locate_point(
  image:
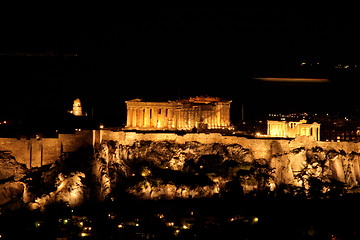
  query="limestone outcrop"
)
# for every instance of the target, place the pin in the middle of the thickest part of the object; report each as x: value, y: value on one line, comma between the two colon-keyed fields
x: 10, y: 168
x: 164, y: 169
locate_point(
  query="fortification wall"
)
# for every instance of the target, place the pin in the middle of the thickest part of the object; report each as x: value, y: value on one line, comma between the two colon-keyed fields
x: 261, y: 147
x: 37, y: 152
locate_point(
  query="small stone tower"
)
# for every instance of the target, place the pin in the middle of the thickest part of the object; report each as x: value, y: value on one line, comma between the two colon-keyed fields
x: 77, y: 109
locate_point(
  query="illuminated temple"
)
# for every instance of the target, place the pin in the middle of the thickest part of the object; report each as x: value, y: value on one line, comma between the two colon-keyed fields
x: 293, y: 129
x: 186, y: 114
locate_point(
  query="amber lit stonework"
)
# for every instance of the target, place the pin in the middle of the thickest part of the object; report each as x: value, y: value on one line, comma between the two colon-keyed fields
x: 77, y: 109
x: 293, y: 129
x: 197, y: 112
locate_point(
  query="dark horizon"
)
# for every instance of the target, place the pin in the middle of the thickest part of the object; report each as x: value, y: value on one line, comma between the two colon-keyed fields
x: 167, y: 54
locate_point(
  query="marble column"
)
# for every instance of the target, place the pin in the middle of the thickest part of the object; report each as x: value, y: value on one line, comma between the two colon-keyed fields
x: 180, y: 119
x: 147, y: 117
x: 133, y: 124
x: 163, y: 115
x: 151, y: 112
x: 192, y: 118
x: 173, y: 117
x: 141, y: 117
x: 156, y: 113
x: 187, y: 119
x: 166, y: 117
x: 227, y: 116
x: 128, y: 118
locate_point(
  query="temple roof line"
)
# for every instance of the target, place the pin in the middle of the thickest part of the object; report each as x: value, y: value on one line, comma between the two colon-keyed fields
x: 196, y: 100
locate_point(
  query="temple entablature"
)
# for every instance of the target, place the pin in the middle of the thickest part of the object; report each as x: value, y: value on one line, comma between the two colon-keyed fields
x: 198, y: 112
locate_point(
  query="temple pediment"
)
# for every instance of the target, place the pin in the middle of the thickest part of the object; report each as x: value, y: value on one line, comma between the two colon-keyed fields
x: 198, y: 112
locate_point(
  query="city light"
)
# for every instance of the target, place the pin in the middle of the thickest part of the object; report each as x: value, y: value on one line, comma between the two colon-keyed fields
x: 170, y: 224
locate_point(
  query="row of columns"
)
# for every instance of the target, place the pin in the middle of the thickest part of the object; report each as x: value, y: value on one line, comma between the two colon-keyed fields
x: 276, y: 130
x: 177, y: 118
x: 150, y: 117
x: 311, y: 131
x: 281, y: 129
x: 217, y: 118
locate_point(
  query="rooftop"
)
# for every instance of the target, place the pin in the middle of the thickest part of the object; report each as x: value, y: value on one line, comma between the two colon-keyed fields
x: 197, y: 99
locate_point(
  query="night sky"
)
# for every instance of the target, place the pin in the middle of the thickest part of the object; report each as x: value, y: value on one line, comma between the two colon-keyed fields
x: 161, y: 54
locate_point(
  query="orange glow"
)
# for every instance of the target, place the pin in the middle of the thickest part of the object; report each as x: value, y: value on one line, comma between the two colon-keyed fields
x: 295, y: 80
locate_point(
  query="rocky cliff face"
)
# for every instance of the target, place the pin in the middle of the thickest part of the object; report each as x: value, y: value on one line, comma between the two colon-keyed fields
x: 168, y: 170
x: 154, y: 170
x: 63, y: 182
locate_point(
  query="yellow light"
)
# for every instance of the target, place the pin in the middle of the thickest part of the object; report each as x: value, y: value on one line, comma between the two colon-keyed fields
x: 295, y: 80
x: 120, y: 226
x: 170, y: 224
x: 101, y: 126
x: 256, y: 220
x: 84, y: 234
x: 145, y: 172
x: 137, y: 224
x: 185, y: 227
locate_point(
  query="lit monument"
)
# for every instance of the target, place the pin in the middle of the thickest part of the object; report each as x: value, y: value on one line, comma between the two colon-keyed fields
x: 77, y: 109
x: 293, y: 129
x: 198, y: 112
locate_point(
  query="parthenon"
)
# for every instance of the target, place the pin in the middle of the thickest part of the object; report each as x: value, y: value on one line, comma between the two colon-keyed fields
x: 186, y: 114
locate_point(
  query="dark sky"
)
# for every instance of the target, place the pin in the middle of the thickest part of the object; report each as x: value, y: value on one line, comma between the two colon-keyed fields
x: 161, y: 54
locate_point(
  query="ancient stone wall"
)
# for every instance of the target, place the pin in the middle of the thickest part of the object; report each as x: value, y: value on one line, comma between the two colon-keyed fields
x: 260, y: 146
x: 37, y: 152
x: 281, y: 153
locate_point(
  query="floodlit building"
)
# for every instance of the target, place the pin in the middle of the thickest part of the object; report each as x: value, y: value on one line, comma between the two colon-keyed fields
x: 186, y: 114
x: 293, y: 129
x: 77, y: 108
